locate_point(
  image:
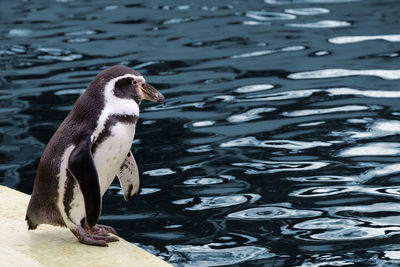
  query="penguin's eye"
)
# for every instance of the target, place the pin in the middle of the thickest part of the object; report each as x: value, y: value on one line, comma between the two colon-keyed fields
x: 134, y: 82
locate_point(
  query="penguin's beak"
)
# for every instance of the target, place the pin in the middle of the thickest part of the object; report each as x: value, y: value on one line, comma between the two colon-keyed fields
x: 151, y: 93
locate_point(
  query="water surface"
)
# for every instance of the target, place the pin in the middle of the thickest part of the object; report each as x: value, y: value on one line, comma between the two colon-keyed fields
x: 278, y: 144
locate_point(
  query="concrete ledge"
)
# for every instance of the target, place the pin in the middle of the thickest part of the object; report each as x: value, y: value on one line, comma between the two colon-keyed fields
x: 56, y: 246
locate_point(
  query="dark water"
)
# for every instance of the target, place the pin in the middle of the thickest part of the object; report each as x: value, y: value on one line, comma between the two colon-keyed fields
x: 278, y: 144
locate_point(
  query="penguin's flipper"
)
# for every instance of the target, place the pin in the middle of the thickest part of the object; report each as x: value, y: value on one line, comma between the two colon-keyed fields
x: 82, y: 168
x: 128, y: 176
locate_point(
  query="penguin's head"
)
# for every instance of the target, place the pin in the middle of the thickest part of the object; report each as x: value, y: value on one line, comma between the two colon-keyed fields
x: 124, y: 82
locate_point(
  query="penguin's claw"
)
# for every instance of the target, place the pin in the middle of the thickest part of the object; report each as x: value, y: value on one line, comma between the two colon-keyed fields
x: 98, y: 236
x: 105, y: 238
x: 104, y: 229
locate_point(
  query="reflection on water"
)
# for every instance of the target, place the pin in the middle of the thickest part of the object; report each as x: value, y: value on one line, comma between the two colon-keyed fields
x: 373, y: 149
x: 333, y: 73
x: 321, y: 24
x: 355, y: 39
x: 307, y: 11
x: 216, y: 202
x: 263, y: 15
x: 270, y: 51
x: 276, y: 146
x: 207, y: 256
x: 273, y: 213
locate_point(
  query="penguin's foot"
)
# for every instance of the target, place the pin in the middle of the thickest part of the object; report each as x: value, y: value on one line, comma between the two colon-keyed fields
x: 95, y: 236
x: 103, y: 229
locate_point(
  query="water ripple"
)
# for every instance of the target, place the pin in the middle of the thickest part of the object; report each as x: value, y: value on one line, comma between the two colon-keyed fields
x: 199, y: 149
x: 381, y: 170
x: 262, y: 166
x: 49, y: 53
x: 320, y: 53
x: 311, y: 124
x: 249, y: 115
x: 70, y: 57
x: 323, y: 191
x: 208, y: 256
x: 368, y: 214
x: 70, y: 92
x: 171, y: 106
x: 145, y: 64
x: 217, y: 201
x: 19, y: 49
x: 78, y: 40
x: 79, y: 33
x: 334, y: 73
x: 366, y: 93
x: 272, y: 212
x: 326, y: 223
x: 203, y: 181
x: 339, y: 91
x: 251, y: 141
x: 307, y: 11
x: 321, y: 24
x: 180, y: 20
x: 342, y: 229
x: 143, y: 191
x: 159, y: 172
x: 309, y: 112
x: 147, y: 191
x: 263, y: 15
x: 254, y: 88
x: 203, y: 123
x: 255, y: 23
x: 19, y: 32
x: 372, y: 149
x: 324, y: 179
x: 285, y: 2
x: 379, y: 128
x: 392, y: 254
x: 270, y: 51
x: 282, y: 95
x: 326, y: 260
x: 356, y: 39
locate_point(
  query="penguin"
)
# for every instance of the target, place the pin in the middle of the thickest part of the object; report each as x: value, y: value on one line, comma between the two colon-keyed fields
x: 90, y: 147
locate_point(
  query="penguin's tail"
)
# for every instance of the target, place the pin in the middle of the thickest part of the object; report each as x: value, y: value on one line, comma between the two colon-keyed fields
x: 37, y: 214
x: 32, y: 214
x: 31, y: 225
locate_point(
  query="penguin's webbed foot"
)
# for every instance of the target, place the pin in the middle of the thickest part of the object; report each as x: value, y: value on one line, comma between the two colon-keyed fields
x: 103, y: 229
x: 97, y: 236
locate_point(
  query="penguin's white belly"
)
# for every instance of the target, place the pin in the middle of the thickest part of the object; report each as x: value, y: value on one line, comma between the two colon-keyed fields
x: 108, y: 158
x: 112, y: 152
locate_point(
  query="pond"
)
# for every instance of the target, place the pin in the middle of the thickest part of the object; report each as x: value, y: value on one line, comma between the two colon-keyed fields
x: 278, y: 143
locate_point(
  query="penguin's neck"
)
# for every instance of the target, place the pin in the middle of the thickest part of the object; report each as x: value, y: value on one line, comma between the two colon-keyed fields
x: 114, y: 105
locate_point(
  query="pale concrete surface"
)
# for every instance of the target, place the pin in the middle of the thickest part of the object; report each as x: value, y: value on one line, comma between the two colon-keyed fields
x: 56, y: 246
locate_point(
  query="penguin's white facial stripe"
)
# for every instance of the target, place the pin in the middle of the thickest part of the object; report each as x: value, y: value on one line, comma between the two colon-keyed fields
x: 136, y: 80
x: 119, y: 105
x: 116, y: 106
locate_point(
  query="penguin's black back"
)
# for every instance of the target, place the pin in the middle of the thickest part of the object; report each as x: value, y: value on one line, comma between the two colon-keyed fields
x: 42, y: 206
